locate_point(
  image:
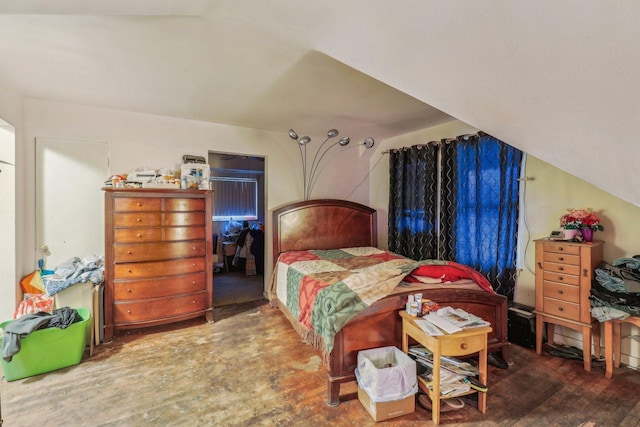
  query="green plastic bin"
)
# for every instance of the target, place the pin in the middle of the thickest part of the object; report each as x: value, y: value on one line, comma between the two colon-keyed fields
x: 48, y: 349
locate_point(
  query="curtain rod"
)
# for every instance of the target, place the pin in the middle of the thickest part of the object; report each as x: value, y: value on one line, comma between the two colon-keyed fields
x: 465, y: 136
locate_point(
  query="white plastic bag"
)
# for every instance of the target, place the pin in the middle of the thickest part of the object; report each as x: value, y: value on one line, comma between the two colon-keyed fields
x: 386, y: 374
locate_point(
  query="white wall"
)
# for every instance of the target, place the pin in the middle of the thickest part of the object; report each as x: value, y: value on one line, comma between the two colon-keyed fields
x: 144, y: 140
x: 11, y: 266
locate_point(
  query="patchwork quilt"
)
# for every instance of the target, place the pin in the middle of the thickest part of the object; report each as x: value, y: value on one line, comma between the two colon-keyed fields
x: 324, y: 289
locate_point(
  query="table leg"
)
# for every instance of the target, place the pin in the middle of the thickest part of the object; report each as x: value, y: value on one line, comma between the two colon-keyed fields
x: 482, y: 368
x: 435, y: 402
x: 608, y: 348
x: 539, y: 326
x: 586, y: 347
x: 617, y: 347
x: 597, y: 351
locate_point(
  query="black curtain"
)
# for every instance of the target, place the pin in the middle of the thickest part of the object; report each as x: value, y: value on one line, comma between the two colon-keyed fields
x: 413, y: 201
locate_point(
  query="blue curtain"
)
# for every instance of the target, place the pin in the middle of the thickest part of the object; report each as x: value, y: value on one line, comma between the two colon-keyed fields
x: 477, y: 207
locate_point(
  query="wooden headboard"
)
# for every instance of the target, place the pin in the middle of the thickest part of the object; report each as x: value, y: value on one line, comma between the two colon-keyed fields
x: 323, y: 224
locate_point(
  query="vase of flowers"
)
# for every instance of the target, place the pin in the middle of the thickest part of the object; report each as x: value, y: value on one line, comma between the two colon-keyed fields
x: 584, y: 221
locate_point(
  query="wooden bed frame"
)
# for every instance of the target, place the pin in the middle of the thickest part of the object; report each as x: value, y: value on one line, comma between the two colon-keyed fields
x: 334, y: 224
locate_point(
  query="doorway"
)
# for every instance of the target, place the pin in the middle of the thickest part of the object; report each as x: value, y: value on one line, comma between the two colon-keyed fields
x: 238, y: 182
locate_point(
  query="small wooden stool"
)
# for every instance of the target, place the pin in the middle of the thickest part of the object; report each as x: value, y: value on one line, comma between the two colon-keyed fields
x: 612, y: 342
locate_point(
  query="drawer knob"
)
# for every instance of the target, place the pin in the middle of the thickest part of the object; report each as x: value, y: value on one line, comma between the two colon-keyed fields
x: 129, y: 252
x: 139, y: 235
x: 463, y: 346
x: 128, y: 270
x: 561, y: 249
x: 138, y: 204
x: 560, y: 278
x: 560, y: 291
x: 193, y: 302
x: 560, y: 309
x: 561, y: 258
x: 129, y: 311
x: 129, y: 290
x: 540, y: 265
x: 194, y: 248
x: 561, y: 268
x: 194, y: 264
x: 193, y: 283
x: 139, y: 220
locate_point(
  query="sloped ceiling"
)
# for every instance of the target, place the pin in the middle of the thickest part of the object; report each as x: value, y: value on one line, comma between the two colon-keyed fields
x: 555, y: 79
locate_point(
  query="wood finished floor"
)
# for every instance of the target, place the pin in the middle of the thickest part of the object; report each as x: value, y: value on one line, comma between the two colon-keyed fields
x: 249, y: 368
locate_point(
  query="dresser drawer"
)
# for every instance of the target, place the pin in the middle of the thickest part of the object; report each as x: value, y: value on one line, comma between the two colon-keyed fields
x: 184, y: 218
x: 562, y: 268
x: 562, y: 248
x: 185, y: 233
x: 133, y: 235
x: 158, y: 251
x: 147, y: 270
x: 183, y: 205
x: 158, y: 234
x: 567, y: 310
x: 463, y: 345
x: 570, y: 279
x: 159, y: 308
x: 125, y: 204
x: 155, y: 288
x: 562, y: 258
x: 141, y: 219
x: 561, y: 291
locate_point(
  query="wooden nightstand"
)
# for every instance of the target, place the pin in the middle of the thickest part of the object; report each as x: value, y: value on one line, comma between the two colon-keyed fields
x: 464, y: 343
x: 564, y: 271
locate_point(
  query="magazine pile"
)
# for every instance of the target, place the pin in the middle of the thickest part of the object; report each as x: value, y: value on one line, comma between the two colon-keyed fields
x: 456, y: 376
x: 449, y: 320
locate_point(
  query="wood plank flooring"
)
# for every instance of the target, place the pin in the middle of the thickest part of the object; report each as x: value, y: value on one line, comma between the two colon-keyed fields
x: 250, y: 368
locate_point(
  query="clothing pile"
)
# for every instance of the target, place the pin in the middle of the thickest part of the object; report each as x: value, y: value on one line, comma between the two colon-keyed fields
x: 615, y: 289
x: 16, y: 330
x: 74, y: 270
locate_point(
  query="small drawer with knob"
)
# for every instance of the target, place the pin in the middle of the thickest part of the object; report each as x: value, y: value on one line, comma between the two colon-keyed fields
x: 562, y: 268
x: 560, y: 308
x: 142, y: 219
x: 158, y: 308
x: 462, y: 345
x: 136, y: 204
x: 561, y: 291
x: 552, y: 276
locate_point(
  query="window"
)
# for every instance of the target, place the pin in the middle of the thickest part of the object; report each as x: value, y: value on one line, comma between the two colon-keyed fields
x: 235, y: 198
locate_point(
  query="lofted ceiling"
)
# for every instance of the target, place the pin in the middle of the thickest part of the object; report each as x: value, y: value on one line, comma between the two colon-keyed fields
x: 555, y: 79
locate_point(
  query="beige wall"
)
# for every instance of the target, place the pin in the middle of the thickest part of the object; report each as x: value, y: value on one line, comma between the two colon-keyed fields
x: 144, y: 140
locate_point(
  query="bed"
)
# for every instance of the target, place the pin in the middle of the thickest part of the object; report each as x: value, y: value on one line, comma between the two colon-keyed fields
x: 326, y: 224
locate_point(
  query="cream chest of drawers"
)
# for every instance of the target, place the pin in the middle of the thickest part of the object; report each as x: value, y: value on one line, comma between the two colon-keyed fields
x: 158, y: 257
x: 564, y: 271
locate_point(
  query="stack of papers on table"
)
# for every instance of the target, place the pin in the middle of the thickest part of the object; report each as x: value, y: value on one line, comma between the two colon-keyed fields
x: 449, y: 320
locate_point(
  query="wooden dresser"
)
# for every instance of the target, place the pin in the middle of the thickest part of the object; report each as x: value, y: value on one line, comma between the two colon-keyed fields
x: 564, y: 271
x: 158, y: 257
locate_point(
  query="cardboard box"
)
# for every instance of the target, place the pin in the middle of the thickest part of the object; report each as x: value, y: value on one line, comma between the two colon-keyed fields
x: 381, y: 411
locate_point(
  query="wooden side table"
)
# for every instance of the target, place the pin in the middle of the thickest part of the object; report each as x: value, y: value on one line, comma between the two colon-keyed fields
x: 612, y: 342
x: 464, y: 343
